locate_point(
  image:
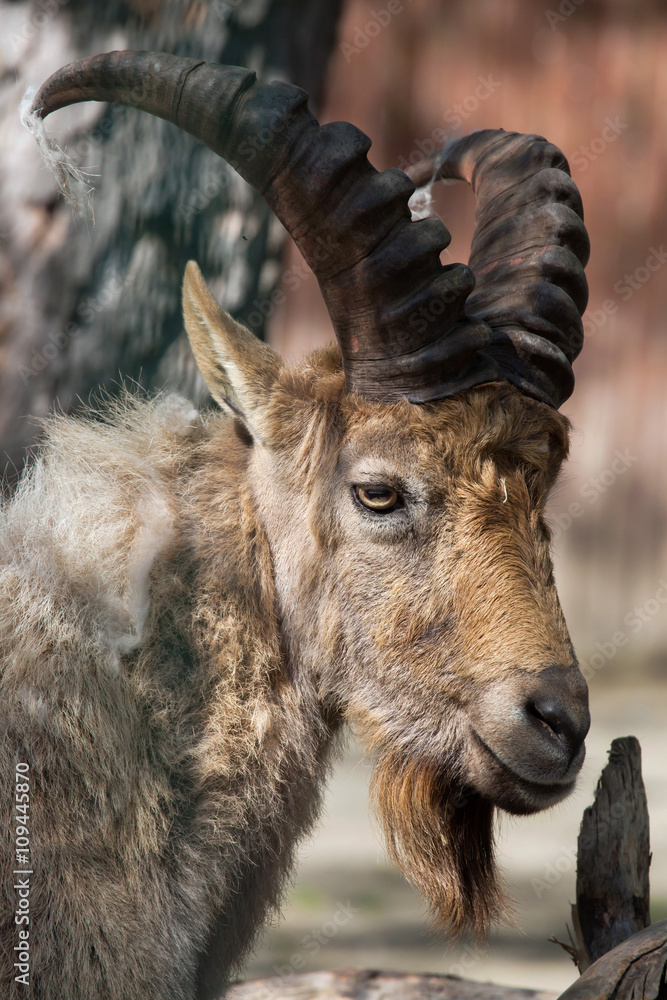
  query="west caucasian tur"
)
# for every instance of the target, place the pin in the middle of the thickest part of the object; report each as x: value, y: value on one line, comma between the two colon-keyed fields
x: 193, y: 605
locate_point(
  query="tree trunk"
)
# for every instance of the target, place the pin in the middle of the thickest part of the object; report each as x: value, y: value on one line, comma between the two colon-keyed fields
x: 86, y: 305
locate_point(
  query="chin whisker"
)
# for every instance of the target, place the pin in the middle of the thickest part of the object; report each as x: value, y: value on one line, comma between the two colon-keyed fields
x: 441, y: 836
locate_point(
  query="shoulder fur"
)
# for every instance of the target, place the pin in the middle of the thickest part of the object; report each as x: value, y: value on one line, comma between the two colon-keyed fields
x: 91, y: 517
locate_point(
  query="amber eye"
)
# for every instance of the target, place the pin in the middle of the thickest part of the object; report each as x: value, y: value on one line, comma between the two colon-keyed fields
x: 379, y: 498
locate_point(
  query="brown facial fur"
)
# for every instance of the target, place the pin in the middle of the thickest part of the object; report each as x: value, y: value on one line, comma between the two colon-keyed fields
x: 409, y: 621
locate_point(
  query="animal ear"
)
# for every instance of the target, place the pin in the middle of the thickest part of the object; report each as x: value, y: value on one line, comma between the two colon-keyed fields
x: 239, y: 369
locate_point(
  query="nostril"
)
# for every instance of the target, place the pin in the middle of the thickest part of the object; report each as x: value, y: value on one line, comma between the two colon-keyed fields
x: 549, y: 715
x: 568, y: 724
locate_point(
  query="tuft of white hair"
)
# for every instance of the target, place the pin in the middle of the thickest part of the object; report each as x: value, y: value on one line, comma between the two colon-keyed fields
x: 70, y: 178
x: 421, y: 203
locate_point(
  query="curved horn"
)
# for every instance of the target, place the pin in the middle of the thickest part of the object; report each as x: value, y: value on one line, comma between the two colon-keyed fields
x: 397, y: 312
x: 528, y: 254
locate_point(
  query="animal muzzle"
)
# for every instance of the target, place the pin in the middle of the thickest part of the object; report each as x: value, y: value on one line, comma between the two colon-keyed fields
x: 528, y: 738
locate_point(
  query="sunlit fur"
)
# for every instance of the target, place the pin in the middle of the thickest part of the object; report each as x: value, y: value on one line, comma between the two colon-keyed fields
x: 191, y: 606
x: 405, y: 626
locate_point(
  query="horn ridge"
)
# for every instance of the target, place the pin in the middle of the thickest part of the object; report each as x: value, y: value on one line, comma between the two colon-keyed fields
x: 388, y: 295
x: 408, y: 327
x: 528, y: 254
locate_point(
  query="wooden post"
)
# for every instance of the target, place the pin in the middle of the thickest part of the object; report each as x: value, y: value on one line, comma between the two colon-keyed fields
x: 611, y: 916
x: 613, y: 858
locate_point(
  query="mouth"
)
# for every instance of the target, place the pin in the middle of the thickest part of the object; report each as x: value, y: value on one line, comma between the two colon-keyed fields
x: 514, y: 793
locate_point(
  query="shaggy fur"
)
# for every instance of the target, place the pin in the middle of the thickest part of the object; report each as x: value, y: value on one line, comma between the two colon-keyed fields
x: 191, y: 605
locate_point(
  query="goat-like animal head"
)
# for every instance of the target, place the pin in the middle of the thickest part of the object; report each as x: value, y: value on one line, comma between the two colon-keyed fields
x: 416, y: 590
x: 402, y: 490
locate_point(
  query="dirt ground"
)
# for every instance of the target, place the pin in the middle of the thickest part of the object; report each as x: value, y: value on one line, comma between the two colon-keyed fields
x: 349, y: 908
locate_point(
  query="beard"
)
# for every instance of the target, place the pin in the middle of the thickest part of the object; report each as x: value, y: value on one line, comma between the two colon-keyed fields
x: 440, y: 834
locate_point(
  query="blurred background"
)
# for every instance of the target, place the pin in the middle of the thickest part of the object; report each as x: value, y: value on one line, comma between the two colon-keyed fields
x: 85, y: 305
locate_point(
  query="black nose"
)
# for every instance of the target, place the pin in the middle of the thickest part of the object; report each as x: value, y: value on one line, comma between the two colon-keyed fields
x: 558, y: 708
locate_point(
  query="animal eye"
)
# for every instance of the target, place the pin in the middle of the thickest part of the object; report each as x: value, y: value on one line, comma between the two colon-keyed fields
x: 380, y: 499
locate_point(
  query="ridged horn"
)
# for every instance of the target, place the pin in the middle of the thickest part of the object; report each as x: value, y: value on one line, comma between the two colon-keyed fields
x: 397, y: 312
x: 528, y: 254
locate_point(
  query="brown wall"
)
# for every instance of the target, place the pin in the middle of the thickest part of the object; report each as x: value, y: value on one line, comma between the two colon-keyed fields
x: 592, y: 77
